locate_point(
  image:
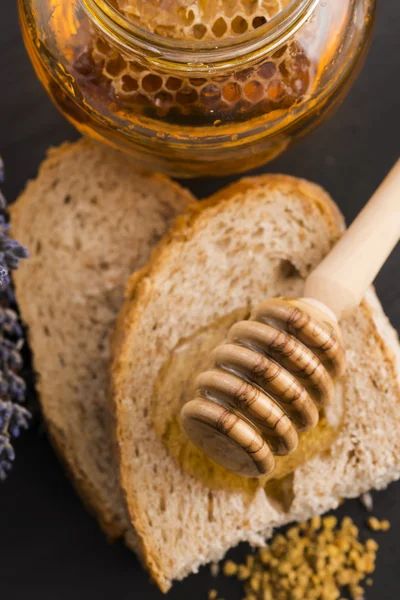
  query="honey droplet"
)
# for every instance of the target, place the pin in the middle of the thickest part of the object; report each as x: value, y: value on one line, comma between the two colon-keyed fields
x: 267, y: 70
x: 173, y: 84
x: 151, y: 83
x: 231, y: 92
x: 129, y: 84
x: 254, y: 91
x: 219, y: 28
x: 186, y: 96
x: 210, y: 95
x: 116, y: 66
x: 239, y: 25
x: 258, y: 22
x: 276, y: 89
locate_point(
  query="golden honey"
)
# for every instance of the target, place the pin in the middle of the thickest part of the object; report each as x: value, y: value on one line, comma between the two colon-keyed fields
x: 175, y: 385
x: 197, y: 87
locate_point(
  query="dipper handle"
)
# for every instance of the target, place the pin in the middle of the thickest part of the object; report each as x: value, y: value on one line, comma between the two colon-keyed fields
x: 342, y: 278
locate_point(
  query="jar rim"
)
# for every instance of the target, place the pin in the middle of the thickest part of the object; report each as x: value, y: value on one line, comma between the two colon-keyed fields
x: 199, y: 54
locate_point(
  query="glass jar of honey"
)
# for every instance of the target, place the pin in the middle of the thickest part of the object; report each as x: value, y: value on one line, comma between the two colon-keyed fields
x: 197, y: 87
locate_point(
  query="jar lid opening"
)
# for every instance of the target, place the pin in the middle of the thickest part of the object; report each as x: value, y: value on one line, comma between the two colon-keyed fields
x: 202, y: 54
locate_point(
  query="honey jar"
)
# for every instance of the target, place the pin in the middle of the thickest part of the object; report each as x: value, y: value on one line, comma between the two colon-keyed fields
x: 197, y: 87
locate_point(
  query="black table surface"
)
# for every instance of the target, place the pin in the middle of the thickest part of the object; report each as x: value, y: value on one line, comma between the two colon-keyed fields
x: 50, y: 548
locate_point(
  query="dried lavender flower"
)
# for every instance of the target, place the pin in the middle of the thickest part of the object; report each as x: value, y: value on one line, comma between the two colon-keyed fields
x: 13, y: 417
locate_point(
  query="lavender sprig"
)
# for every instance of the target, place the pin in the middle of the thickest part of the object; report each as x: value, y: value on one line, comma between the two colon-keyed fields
x: 13, y: 417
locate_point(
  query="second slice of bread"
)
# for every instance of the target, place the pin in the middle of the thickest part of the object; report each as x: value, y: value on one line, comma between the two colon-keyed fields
x: 89, y: 219
x: 257, y: 239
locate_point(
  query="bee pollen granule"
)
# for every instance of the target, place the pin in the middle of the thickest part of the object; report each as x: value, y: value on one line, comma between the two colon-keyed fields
x: 320, y: 559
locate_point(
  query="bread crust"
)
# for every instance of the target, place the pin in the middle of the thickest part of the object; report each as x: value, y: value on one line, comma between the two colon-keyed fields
x: 39, y: 202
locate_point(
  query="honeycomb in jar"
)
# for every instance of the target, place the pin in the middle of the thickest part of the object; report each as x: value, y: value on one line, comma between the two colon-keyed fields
x: 278, y: 83
x: 200, y: 19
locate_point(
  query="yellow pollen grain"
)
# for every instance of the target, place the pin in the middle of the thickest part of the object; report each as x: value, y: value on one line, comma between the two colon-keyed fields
x: 321, y: 559
x: 375, y: 525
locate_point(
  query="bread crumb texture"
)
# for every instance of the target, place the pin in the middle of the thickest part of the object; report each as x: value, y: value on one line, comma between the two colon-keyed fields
x: 318, y: 559
x: 90, y: 218
x: 257, y: 239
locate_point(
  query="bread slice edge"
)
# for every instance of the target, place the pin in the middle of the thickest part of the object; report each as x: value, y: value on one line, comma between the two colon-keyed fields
x: 137, y: 289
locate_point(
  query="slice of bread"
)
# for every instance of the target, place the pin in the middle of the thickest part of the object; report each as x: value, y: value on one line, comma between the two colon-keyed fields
x: 89, y: 219
x: 256, y: 239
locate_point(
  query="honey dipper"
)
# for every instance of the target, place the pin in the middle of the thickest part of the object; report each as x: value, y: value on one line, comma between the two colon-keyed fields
x: 275, y: 371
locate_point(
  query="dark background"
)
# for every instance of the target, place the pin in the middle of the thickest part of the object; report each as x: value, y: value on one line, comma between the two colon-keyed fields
x: 50, y: 548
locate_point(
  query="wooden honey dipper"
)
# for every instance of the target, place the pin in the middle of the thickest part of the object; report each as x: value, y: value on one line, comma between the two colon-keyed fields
x: 276, y: 370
